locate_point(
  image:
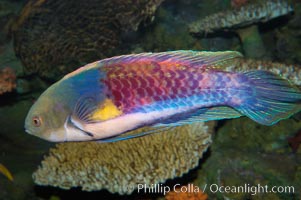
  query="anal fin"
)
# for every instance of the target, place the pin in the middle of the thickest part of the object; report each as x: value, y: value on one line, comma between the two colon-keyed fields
x: 135, y: 134
x: 201, y: 115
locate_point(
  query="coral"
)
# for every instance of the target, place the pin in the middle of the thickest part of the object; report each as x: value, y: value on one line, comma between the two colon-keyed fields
x: 168, y: 34
x: 54, y: 37
x: 260, y: 138
x: 7, y: 80
x: 245, y: 152
x: 291, y: 72
x: 119, y: 167
x: 287, y: 39
x: 287, y: 44
x: 8, y: 11
x: 251, y: 40
x: 189, y: 192
x: 244, y: 21
x: 246, y: 15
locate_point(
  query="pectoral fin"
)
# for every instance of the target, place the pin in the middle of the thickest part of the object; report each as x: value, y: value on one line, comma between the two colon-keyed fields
x: 83, y: 110
x: 89, y: 110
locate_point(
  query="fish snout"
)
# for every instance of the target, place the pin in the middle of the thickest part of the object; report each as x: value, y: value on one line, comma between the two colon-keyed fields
x: 27, y: 126
x: 27, y: 131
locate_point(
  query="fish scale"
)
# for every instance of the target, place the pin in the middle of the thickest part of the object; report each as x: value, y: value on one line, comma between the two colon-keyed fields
x: 146, y: 85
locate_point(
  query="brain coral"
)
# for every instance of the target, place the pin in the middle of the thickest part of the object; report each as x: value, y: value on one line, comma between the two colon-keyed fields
x: 54, y: 37
x: 120, y: 166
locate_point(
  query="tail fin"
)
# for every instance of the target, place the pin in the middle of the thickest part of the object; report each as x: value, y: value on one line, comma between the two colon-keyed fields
x: 272, y: 98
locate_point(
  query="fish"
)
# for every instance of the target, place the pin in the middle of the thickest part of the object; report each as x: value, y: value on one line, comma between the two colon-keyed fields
x: 6, y: 172
x: 107, y: 99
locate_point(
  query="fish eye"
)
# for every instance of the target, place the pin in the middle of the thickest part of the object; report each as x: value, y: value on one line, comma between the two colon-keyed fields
x: 36, y: 121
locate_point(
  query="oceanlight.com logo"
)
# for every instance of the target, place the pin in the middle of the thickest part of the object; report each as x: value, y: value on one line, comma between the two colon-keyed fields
x: 214, y: 188
x: 250, y: 189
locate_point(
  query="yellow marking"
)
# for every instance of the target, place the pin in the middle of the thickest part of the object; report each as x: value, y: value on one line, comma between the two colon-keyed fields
x: 113, y: 76
x: 6, y: 173
x: 108, y: 110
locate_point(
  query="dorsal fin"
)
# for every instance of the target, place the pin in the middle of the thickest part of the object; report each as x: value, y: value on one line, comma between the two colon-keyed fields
x: 209, y: 59
x: 186, y: 57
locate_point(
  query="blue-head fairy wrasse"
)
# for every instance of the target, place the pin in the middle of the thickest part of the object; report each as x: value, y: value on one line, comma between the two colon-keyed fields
x: 113, y: 96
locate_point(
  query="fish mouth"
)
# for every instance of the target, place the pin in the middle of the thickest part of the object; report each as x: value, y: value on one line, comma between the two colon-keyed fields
x: 27, y: 131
